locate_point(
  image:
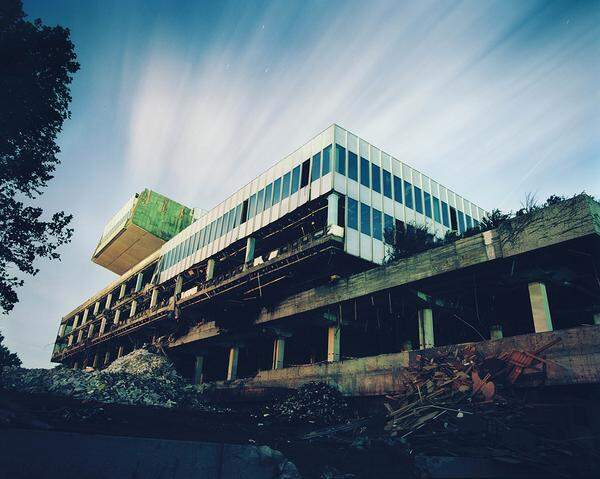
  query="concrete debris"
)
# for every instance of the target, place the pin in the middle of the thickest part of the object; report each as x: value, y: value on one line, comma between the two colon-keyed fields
x: 139, y: 378
x: 313, y: 403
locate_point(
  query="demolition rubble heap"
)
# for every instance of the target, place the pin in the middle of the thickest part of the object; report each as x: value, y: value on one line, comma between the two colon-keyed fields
x: 139, y: 378
x: 461, y: 403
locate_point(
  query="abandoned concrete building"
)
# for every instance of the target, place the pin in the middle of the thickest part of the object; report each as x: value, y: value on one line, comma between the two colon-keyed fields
x: 285, y: 281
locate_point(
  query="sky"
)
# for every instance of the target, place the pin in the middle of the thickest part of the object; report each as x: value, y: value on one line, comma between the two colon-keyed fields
x: 194, y: 99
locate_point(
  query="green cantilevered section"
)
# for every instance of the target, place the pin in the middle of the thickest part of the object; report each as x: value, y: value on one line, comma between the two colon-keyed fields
x: 139, y: 228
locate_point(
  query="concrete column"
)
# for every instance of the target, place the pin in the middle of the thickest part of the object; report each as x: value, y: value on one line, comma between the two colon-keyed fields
x: 117, y: 316
x: 597, y: 318
x: 96, y: 360
x: 120, y: 352
x: 538, y: 297
x: 426, y: 339
x: 210, y: 269
x: 61, y: 330
x: 233, y: 363
x: 178, y: 285
x: 122, y: 290
x: 80, y: 336
x: 333, y: 343
x: 278, y: 352
x: 108, y: 301
x: 90, y: 330
x: 332, y: 209
x: 250, y: 244
x: 102, y: 326
x: 138, y: 282
x: 76, y: 365
x: 96, y: 308
x: 70, y: 340
x: 75, y: 321
x: 107, y: 357
x: 154, y: 298
x: 133, y: 309
x: 199, y: 370
x: 86, y: 312
x: 496, y: 331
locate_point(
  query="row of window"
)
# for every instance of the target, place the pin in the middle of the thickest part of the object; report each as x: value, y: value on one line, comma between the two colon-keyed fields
x: 382, y: 181
x: 284, y: 186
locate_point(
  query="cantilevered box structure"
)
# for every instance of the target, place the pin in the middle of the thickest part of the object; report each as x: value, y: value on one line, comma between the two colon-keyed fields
x: 139, y: 229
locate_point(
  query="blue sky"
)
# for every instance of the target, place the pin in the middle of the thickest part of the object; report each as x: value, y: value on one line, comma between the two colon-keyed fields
x: 194, y: 99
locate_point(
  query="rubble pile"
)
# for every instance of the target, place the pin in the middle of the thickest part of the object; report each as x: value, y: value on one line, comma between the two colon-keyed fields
x: 313, y: 403
x: 460, y: 403
x: 139, y: 378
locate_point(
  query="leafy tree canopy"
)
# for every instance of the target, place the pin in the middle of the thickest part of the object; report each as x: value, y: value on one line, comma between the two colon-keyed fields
x: 37, y: 63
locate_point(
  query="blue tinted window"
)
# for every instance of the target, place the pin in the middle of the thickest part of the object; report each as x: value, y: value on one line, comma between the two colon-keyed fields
x: 220, y: 227
x: 352, y: 166
x: 376, y: 178
x: 340, y: 159
x: 377, y: 224
x: 461, y: 221
x: 232, y: 219
x: 238, y: 215
x: 365, y: 174
x: 326, y: 160
x: 408, y: 196
x: 252, y: 206
x: 285, y: 189
x: 445, y: 219
x: 397, y: 189
x: 202, y: 233
x: 427, y: 205
x: 276, y: 190
x: 388, y: 223
x: 365, y: 219
x: 316, y: 167
x: 268, y: 196
x: 387, y: 184
x: 260, y: 201
x: 295, y: 179
x: 436, y: 210
x: 352, y: 214
x: 418, y: 200
x: 213, y: 231
x: 469, y: 222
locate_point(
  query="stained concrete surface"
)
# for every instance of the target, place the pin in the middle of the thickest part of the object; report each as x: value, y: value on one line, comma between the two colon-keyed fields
x: 30, y: 453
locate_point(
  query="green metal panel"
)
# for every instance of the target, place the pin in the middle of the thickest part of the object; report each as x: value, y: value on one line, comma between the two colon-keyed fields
x: 159, y: 215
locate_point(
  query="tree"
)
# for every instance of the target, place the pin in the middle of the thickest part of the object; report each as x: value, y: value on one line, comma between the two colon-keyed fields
x: 6, y: 357
x: 37, y: 64
x: 407, y: 240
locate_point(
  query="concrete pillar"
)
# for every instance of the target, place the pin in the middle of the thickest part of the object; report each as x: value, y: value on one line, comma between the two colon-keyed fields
x: 278, y: 352
x: 133, y: 309
x: 108, y: 301
x: 199, y: 370
x: 178, y: 285
x: 407, y: 345
x: 154, y: 298
x: 233, y: 363
x: 333, y: 343
x: 80, y: 336
x: 90, y: 331
x: 496, y: 331
x: 138, y: 282
x: 117, y: 316
x: 107, y: 357
x: 332, y: 209
x: 61, y: 330
x: 210, y: 269
x: 96, y: 361
x: 597, y: 318
x: 122, y: 290
x: 426, y: 339
x: 70, y: 340
x: 76, y: 365
x: 102, y: 326
x: 96, y: 308
x: 75, y: 321
x: 120, y: 352
x: 250, y: 244
x: 86, y: 312
x: 538, y: 297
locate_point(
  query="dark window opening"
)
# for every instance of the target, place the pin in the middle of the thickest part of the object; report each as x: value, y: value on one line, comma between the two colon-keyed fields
x: 453, y: 219
x: 305, y: 173
x: 365, y: 175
